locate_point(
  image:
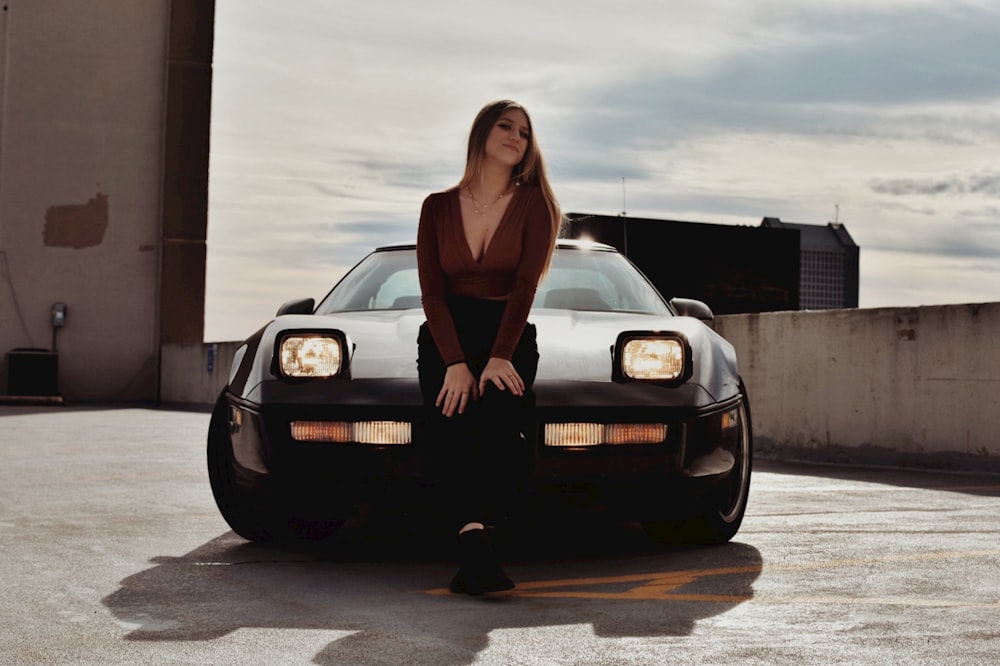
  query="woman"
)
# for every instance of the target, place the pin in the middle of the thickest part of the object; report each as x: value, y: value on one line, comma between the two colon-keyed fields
x: 482, y: 247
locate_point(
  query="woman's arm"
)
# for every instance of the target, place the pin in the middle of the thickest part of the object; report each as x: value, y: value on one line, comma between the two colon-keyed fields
x: 535, y: 247
x: 459, y: 383
x: 536, y: 241
x: 433, y: 285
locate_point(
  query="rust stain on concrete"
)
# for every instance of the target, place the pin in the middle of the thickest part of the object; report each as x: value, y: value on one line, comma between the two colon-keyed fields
x: 77, y: 225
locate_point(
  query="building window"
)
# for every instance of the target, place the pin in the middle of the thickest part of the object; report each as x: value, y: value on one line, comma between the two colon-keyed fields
x: 821, y: 282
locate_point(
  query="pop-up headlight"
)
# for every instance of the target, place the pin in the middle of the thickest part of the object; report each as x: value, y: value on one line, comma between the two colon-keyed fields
x: 652, y: 357
x: 661, y: 359
x: 308, y: 355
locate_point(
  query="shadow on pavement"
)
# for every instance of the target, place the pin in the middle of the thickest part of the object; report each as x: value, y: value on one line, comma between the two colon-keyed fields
x: 387, y: 584
x: 970, y: 483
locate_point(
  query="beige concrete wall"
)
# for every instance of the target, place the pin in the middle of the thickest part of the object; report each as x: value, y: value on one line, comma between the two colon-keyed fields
x: 195, y: 374
x: 84, y: 121
x: 908, y: 382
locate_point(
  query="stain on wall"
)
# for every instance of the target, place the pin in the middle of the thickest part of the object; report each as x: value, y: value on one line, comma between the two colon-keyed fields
x: 77, y: 225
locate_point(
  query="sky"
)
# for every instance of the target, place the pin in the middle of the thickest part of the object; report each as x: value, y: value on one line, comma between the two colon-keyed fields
x: 332, y: 120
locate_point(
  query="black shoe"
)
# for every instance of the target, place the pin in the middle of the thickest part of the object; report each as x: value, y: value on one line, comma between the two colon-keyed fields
x: 480, y: 571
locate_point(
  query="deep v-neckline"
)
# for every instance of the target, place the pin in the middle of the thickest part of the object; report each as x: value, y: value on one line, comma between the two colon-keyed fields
x: 465, y: 236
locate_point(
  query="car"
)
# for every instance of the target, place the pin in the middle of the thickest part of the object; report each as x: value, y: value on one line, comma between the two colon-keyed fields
x: 640, y: 407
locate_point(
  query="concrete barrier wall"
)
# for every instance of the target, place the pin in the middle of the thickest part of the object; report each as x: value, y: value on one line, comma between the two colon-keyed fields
x: 902, y: 386
x: 194, y: 375
x: 882, y: 385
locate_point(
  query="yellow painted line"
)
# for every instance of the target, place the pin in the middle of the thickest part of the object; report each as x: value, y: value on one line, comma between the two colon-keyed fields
x: 656, y: 584
x: 663, y: 586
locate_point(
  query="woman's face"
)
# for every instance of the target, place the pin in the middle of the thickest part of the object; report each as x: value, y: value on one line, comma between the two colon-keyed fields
x: 508, y: 140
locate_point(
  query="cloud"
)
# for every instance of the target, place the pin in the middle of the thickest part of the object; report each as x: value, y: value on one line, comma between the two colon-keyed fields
x: 827, y: 70
x: 984, y: 184
x: 912, y: 57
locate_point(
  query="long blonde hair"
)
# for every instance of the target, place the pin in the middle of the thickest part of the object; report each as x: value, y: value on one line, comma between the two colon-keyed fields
x: 530, y: 170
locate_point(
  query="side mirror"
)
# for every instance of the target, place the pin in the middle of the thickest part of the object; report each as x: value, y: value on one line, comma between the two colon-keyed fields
x: 688, y: 307
x: 300, y: 306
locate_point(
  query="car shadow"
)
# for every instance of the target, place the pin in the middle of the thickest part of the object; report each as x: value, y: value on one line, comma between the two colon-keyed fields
x: 981, y: 483
x: 385, y: 581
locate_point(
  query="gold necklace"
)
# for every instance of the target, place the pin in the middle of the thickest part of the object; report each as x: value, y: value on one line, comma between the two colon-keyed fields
x: 480, y: 208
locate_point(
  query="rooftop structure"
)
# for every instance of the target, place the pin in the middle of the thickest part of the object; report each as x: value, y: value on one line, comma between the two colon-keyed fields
x: 828, y: 264
x: 733, y: 268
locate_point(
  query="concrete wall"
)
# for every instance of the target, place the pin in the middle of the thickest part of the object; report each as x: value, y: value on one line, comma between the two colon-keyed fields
x: 897, y: 386
x: 194, y: 375
x: 908, y: 386
x: 95, y: 97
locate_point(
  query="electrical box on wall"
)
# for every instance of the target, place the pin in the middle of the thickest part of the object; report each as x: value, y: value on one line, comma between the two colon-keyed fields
x: 58, y: 315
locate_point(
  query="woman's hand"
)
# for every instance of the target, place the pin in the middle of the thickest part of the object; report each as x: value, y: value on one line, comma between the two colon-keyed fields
x: 503, y: 375
x: 456, y: 391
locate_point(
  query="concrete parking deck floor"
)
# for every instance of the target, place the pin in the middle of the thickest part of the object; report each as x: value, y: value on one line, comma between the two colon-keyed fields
x: 113, y: 553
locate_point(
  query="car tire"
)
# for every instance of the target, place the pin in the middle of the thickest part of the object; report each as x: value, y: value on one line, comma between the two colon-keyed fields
x: 728, y: 504
x: 238, y: 506
x: 254, y: 515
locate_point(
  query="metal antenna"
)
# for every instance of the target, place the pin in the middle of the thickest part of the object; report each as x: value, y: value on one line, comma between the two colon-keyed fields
x: 623, y: 196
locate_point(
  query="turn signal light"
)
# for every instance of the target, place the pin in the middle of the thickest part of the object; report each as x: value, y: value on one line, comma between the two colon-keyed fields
x: 360, y: 432
x: 596, y: 434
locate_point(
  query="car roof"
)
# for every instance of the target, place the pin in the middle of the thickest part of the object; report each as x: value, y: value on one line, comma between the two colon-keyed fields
x: 561, y: 243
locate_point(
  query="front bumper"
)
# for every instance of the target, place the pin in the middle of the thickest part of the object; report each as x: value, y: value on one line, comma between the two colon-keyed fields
x: 690, y: 457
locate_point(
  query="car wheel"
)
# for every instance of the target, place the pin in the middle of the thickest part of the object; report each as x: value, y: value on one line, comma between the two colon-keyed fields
x: 254, y: 515
x: 238, y: 506
x: 728, y: 504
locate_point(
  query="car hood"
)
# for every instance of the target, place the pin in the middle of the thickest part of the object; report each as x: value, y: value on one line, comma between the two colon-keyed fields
x: 573, y: 345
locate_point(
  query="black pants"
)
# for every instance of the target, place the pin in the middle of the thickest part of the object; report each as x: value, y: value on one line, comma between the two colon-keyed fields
x: 479, y: 457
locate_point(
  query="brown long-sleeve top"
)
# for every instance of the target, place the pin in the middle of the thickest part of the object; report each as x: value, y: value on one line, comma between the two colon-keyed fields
x: 510, y: 267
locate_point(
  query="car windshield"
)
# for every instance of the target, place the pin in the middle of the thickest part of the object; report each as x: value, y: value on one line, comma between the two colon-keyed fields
x: 578, y: 279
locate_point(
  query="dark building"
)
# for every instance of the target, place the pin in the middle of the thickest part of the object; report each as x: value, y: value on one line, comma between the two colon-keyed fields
x: 732, y: 268
x: 828, y: 265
